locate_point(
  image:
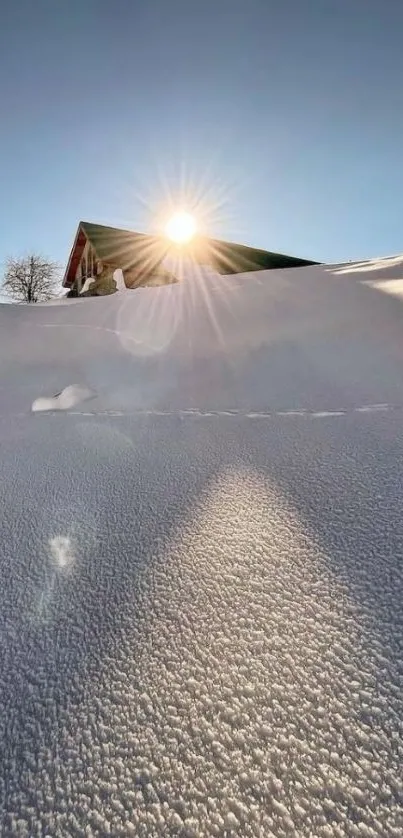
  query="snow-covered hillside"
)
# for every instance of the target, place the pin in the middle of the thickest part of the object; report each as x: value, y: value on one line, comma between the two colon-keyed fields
x: 201, y: 578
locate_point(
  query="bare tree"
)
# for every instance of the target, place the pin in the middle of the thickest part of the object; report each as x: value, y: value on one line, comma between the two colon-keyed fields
x: 31, y: 279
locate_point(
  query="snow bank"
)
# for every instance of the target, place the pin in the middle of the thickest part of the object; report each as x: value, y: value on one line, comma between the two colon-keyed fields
x: 200, y: 578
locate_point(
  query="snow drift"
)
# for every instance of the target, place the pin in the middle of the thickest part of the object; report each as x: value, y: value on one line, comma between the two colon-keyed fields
x: 200, y: 576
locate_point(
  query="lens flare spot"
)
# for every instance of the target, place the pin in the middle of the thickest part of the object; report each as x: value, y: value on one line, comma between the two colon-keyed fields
x: 62, y: 551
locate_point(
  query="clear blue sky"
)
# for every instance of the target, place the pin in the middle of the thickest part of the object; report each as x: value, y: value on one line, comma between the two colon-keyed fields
x: 290, y: 112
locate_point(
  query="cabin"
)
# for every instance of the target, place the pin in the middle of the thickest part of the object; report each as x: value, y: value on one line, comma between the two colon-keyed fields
x: 99, y: 251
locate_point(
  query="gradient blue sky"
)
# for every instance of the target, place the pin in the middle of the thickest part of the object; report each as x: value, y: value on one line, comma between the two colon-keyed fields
x: 285, y: 117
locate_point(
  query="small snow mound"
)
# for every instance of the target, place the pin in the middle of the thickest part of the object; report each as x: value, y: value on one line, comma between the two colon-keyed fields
x: 69, y: 397
x: 119, y: 279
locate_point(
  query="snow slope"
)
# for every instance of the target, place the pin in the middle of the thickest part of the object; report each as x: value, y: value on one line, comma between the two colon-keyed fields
x: 201, y: 559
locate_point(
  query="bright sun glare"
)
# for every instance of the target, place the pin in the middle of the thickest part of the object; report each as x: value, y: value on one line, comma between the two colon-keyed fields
x: 181, y: 227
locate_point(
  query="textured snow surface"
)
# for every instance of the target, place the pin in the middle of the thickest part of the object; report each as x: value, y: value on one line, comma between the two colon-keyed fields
x: 201, y: 579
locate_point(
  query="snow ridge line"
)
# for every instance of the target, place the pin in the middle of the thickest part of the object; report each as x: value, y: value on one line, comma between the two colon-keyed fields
x: 246, y: 414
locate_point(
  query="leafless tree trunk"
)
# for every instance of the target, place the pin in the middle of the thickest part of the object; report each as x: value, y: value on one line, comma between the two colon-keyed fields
x: 32, y: 279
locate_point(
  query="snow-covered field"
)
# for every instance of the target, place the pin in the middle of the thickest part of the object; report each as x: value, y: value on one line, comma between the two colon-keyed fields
x: 201, y: 580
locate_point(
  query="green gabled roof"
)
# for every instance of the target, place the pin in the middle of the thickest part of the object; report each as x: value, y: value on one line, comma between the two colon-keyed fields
x: 126, y: 249
x: 115, y: 245
x: 229, y: 258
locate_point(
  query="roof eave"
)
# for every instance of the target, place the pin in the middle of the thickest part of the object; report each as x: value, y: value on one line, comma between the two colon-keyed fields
x: 67, y: 280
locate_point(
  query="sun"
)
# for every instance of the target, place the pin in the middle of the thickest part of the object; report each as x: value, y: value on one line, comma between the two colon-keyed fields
x: 181, y: 227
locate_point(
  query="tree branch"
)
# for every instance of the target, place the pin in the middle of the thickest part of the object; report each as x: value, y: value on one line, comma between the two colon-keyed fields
x: 31, y: 279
